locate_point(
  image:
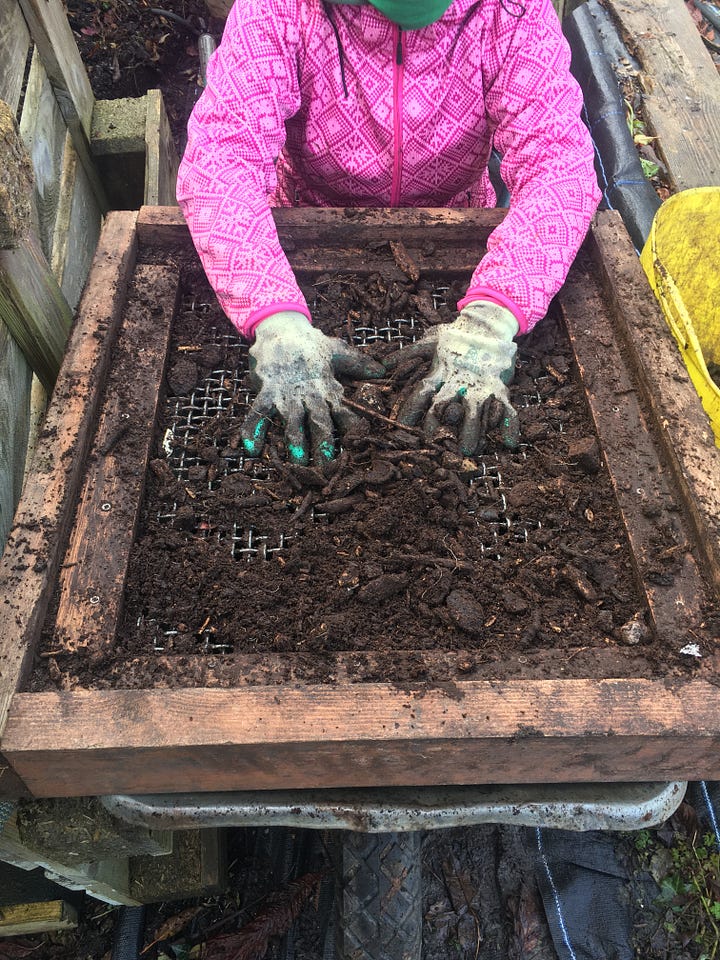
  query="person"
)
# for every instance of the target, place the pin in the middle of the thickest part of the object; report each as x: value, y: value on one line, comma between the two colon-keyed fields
x: 386, y: 103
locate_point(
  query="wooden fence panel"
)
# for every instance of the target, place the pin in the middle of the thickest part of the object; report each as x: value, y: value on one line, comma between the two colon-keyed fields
x: 14, y: 48
x: 43, y: 131
x: 77, y: 227
x: 58, y: 51
x: 15, y: 377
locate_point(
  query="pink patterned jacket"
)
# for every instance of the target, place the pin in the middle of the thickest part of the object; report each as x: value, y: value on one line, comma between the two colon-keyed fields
x: 333, y: 105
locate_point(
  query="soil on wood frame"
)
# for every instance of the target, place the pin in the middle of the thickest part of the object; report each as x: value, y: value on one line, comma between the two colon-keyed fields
x: 401, y: 561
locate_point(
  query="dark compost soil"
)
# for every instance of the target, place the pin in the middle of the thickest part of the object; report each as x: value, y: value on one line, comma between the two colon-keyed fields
x: 403, y: 560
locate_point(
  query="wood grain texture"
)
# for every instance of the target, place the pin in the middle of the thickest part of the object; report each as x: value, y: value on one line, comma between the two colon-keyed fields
x: 77, y: 227
x: 551, y: 731
x: 29, y: 918
x: 43, y: 130
x: 681, y: 99
x: 33, y: 307
x: 660, y: 538
x: 61, y: 58
x: 92, y: 576
x: 56, y: 47
x: 15, y: 380
x: 161, y: 159
x: 11, y: 786
x: 681, y: 425
x: 14, y: 48
x: 29, y: 565
x: 329, y: 226
x: 443, y: 244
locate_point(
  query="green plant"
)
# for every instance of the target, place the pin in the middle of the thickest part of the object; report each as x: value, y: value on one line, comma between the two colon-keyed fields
x: 640, y: 139
x: 690, y: 893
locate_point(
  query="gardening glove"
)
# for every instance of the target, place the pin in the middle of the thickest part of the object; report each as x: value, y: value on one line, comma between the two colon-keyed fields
x: 293, y: 367
x: 473, y: 361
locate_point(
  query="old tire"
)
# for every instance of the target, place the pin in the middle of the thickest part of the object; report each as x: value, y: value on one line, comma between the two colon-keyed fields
x: 379, y: 897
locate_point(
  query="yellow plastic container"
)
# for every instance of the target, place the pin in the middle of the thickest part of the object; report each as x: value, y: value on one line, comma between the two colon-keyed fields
x: 680, y: 258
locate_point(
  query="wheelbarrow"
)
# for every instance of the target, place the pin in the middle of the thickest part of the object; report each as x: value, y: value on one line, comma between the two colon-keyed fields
x: 374, y: 838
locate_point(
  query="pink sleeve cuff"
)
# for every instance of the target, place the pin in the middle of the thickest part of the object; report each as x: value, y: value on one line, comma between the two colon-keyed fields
x: 257, y: 316
x: 492, y: 296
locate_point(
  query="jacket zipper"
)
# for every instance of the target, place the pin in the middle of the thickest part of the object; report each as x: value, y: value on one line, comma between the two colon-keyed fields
x: 398, y: 70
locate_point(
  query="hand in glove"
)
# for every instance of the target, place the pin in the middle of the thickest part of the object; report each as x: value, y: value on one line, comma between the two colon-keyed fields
x: 473, y: 361
x: 293, y: 367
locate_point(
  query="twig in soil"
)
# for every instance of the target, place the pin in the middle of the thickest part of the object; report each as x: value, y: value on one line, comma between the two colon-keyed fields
x: 341, y: 464
x: 307, y: 502
x: 341, y: 505
x: 379, y: 416
x: 401, y: 454
x: 429, y: 559
x: 575, y: 653
x: 413, y: 378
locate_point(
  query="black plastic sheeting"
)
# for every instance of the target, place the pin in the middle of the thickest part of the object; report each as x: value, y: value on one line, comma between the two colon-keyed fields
x: 620, y: 175
x: 129, y: 933
x: 705, y: 798
x: 586, y: 894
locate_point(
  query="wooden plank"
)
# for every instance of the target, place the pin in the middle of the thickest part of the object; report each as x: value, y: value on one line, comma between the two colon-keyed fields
x: 14, y: 50
x: 29, y: 565
x: 118, y: 147
x: 16, y: 184
x: 679, y: 421
x: 33, y: 308
x: 92, y: 576
x: 681, y: 100
x: 58, y: 51
x: 11, y: 786
x: 194, y: 868
x: 43, y: 131
x: 373, y: 734
x: 77, y: 228
x: 161, y: 159
x: 107, y: 880
x: 24, y: 919
x: 15, y: 380
x: 50, y: 30
x: 69, y: 830
x: 31, y: 303
x: 331, y: 227
x: 643, y: 484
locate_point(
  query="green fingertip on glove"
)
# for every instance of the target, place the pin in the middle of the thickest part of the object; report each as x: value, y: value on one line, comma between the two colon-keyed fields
x: 473, y: 360
x: 297, y: 453
x: 251, y: 444
x: 294, y: 368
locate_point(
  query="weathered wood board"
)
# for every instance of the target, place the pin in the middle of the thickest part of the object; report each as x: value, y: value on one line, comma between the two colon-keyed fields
x: 14, y: 48
x: 681, y: 87
x: 51, y: 488
x: 92, y: 577
x: 15, y: 377
x: 372, y: 734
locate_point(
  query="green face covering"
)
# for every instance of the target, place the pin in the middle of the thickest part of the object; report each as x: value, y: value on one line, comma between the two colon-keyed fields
x: 412, y: 14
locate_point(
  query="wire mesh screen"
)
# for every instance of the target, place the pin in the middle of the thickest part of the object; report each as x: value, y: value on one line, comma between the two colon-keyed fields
x: 223, y: 393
